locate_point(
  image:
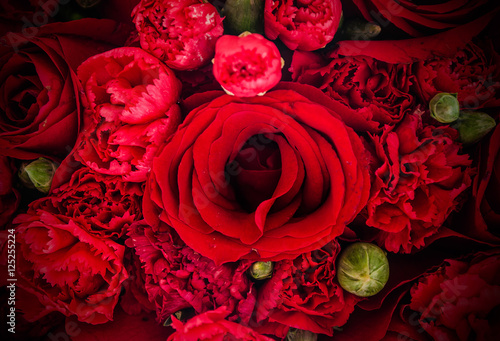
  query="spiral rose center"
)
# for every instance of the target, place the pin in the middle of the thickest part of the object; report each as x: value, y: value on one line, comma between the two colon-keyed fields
x: 258, y: 170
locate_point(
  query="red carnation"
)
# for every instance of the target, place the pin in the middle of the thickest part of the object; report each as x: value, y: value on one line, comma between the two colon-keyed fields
x: 418, y: 176
x: 104, y: 206
x: 302, y: 25
x: 246, y: 66
x: 213, y: 326
x: 304, y: 294
x: 68, y: 269
x: 182, y: 33
x: 133, y: 102
x: 178, y: 278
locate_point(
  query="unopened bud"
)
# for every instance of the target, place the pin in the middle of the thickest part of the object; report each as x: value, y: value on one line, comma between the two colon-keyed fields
x: 363, y: 269
x: 243, y: 15
x: 358, y: 29
x: 473, y: 126
x: 300, y: 335
x: 38, y: 174
x: 444, y: 107
x: 261, y: 270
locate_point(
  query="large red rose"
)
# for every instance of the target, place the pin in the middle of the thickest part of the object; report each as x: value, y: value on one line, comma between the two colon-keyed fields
x: 377, y: 93
x: 417, y: 178
x: 182, y: 33
x: 212, y: 326
x: 133, y: 108
x: 303, y: 293
x: 68, y: 269
x: 420, y: 17
x: 302, y: 25
x: 266, y: 177
x: 104, y: 206
x: 40, y: 109
x: 178, y: 278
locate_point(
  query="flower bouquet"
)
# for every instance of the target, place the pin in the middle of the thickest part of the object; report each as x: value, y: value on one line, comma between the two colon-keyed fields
x: 250, y: 170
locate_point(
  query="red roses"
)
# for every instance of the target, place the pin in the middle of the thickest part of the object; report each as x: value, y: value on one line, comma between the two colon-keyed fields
x: 258, y: 177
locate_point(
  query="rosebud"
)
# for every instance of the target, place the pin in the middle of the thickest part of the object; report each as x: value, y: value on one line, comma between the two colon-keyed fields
x: 444, y: 107
x: 261, y: 270
x: 300, y: 335
x: 358, y: 29
x: 38, y: 174
x: 243, y: 15
x: 363, y: 269
x: 473, y: 126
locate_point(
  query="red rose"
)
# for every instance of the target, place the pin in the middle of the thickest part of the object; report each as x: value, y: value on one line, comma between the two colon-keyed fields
x: 132, y: 96
x: 302, y: 25
x: 178, y: 278
x: 266, y: 177
x: 67, y: 268
x: 182, y: 33
x: 417, y: 178
x: 303, y: 293
x: 246, y: 66
x: 40, y: 108
x: 211, y: 325
x: 104, y: 206
x: 9, y: 196
x: 377, y: 93
x: 472, y: 73
x: 419, y: 18
x: 458, y: 301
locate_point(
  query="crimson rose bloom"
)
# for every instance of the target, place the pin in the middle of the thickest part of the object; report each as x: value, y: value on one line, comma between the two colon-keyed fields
x: 104, y: 206
x: 303, y: 293
x: 40, y: 107
x: 377, y: 93
x: 266, y: 177
x: 420, y: 17
x: 211, y: 325
x: 132, y: 96
x: 302, y: 25
x: 472, y: 73
x: 246, y: 66
x: 458, y: 301
x: 182, y: 33
x: 9, y: 196
x: 418, y: 175
x: 67, y: 268
x: 178, y: 278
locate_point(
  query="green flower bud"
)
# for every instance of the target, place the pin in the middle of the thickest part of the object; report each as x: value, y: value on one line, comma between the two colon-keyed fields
x: 358, y: 29
x: 300, y: 335
x: 261, y: 270
x: 363, y: 269
x: 181, y: 315
x: 444, y: 107
x: 38, y: 174
x: 473, y: 126
x: 243, y: 15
